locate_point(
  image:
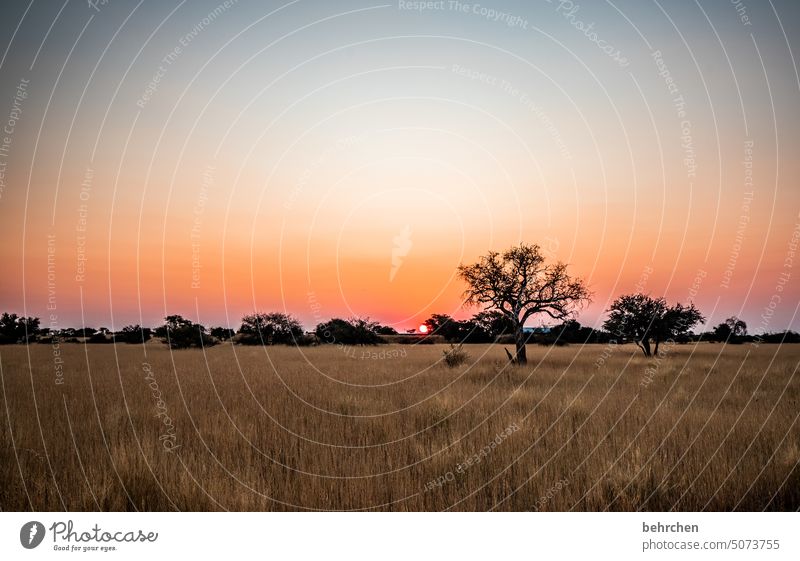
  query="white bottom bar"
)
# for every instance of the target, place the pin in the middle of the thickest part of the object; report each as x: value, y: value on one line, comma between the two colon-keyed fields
x: 370, y: 536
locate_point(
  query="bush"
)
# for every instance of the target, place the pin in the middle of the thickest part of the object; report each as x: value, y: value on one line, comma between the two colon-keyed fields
x: 413, y: 339
x: 100, y: 338
x: 222, y: 333
x: 14, y: 328
x: 306, y: 341
x: 355, y: 331
x: 183, y: 334
x: 133, y: 334
x: 455, y: 355
x: 780, y: 337
x: 269, y: 329
x: 85, y: 332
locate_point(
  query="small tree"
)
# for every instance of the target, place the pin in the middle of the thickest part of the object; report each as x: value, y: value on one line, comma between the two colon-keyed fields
x: 100, y: 338
x: 731, y: 330
x: 133, y: 334
x: 355, y: 331
x: 270, y: 329
x: 571, y: 332
x: 453, y: 330
x: 444, y: 325
x: 28, y: 328
x: 519, y: 284
x: 644, y: 320
x: 469, y: 331
x: 14, y: 328
x: 8, y: 328
x: 222, y: 333
x: 85, y: 332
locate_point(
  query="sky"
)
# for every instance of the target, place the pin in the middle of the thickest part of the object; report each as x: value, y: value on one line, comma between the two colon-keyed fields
x: 336, y: 159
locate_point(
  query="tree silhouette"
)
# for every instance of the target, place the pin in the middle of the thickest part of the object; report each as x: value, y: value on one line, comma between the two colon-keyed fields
x: 519, y: 284
x: 222, y: 333
x: 731, y: 330
x: 738, y: 327
x: 444, y: 325
x: 494, y: 323
x: 644, y: 320
x: 182, y: 333
x: 270, y: 329
x: 133, y: 334
x: 355, y: 331
x: 14, y: 328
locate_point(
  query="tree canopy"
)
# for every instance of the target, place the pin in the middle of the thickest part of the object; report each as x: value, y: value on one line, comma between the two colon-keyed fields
x: 520, y: 284
x: 270, y: 329
x: 646, y: 320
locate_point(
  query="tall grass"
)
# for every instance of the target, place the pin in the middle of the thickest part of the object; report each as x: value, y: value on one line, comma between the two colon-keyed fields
x: 318, y: 428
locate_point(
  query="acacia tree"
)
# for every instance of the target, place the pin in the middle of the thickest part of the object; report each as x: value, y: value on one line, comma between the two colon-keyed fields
x: 644, y: 320
x: 519, y: 284
x: 270, y: 329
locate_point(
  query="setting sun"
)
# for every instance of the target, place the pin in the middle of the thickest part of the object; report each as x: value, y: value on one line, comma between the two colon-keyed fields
x: 423, y: 328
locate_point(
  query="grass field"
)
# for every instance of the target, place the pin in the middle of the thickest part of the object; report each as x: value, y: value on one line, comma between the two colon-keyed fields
x: 705, y: 427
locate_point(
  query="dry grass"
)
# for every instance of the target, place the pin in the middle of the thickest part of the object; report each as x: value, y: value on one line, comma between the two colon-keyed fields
x: 318, y: 428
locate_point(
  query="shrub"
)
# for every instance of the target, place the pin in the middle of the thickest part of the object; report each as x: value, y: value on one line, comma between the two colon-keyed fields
x: 306, y: 340
x: 269, y: 329
x: 455, y: 355
x: 355, y: 331
x: 100, y: 338
x: 222, y: 333
x: 133, y: 334
x: 413, y: 339
x: 182, y: 333
x: 14, y: 328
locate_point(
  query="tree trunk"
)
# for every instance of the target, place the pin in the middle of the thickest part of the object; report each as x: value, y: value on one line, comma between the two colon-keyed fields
x: 645, y: 344
x: 519, y: 341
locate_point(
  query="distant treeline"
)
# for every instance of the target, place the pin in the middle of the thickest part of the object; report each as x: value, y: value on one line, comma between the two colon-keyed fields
x: 284, y: 329
x: 493, y: 326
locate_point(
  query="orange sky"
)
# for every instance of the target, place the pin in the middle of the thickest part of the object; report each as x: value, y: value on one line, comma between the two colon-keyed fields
x: 287, y: 174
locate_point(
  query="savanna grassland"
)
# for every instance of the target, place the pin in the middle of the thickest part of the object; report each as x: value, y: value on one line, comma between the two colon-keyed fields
x: 280, y: 428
